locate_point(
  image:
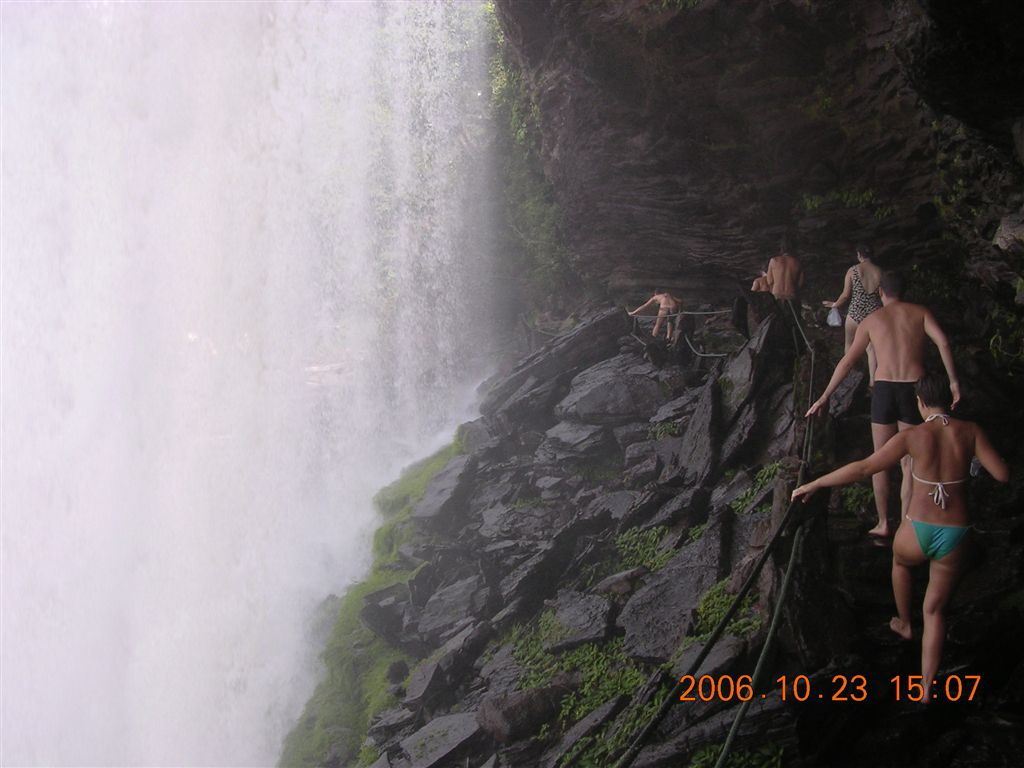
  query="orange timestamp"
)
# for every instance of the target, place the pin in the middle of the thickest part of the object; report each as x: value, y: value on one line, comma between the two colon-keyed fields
x: 840, y: 688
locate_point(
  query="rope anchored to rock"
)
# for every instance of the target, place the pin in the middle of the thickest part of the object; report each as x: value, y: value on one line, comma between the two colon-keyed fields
x: 641, y: 738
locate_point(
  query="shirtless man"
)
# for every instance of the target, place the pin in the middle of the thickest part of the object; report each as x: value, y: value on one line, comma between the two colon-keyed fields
x: 785, y: 276
x: 667, y: 305
x: 897, y: 331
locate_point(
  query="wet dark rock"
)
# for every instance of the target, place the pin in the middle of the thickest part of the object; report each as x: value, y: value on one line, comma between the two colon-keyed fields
x: 433, y: 681
x: 383, y: 611
x: 569, y: 440
x: 536, y: 577
x: 768, y: 721
x: 581, y: 618
x: 721, y: 659
x: 677, y: 409
x: 397, y: 671
x: 609, y: 507
x: 643, y: 473
x: 688, y: 506
x: 594, y: 339
x: 442, y: 740
x: 695, y: 455
x: 453, y: 604
x: 615, y: 391
x: 529, y: 407
x: 523, y: 521
x: 391, y: 722
x: 474, y: 435
x: 645, y: 505
x: 501, y: 671
x: 627, y: 434
x: 849, y: 388
x: 422, y: 584
x: 445, y: 493
x: 621, y: 583
x: 660, y: 613
x: 587, y: 726
x: 510, y: 716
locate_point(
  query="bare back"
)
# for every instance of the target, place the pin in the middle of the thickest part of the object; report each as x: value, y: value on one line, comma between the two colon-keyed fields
x: 897, y: 333
x: 870, y: 276
x: 941, y: 453
x: 785, y: 276
x: 667, y: 303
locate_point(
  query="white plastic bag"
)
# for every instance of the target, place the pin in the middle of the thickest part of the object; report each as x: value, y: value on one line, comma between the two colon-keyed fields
x: 834, y: 318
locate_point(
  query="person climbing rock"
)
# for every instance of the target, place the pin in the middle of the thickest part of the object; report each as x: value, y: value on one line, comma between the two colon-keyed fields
x: 897, y: 331
x: 785, y: 275
x: 934, y: 527
x: 668, y: 308
x: 860, y: 289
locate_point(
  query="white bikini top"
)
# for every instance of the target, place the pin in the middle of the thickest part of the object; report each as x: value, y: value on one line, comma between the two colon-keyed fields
x: 940, y: 495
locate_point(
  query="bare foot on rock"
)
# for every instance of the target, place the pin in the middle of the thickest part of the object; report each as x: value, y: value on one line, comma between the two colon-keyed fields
x: 901, y: 628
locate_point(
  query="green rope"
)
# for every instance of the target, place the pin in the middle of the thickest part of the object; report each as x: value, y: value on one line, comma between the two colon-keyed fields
x: 794, y: 557
x: 637, y: 744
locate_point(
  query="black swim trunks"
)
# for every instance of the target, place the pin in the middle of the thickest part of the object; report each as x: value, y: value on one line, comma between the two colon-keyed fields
x: 894, y: 401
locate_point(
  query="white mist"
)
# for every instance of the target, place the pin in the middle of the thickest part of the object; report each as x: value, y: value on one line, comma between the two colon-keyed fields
x: 242, y: 285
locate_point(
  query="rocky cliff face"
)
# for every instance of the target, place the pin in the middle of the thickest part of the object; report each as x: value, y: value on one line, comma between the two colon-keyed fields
x: 685, y: 136
x: 569, y: 566
x: 557, y: 576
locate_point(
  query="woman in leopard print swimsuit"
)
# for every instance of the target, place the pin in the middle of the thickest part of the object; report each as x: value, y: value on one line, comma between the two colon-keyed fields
x: 860, y: 288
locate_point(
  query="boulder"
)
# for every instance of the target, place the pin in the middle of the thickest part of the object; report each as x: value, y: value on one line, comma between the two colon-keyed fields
x: 445, y: 494
x: 582, y: 618
x: 587, y: 726
x: 451, y: 605
x: 610, y: 507
x: 621, y: 583
x: 514, y: 715
x: 595, y: 338
x: 660, y: 613
x: 441, y: 741
x: 570, y: 440
x: 678, y: 409
x: 615, y: 391
x: 529, y: 407
x: 383, y: 611
x: 695, y: 455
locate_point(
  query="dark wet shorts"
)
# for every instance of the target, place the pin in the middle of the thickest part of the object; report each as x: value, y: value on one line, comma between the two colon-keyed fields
x: 893, y: 401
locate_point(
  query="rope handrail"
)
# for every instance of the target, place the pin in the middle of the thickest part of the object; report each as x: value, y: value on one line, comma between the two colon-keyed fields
x: 703, y: 354
x: 637, y: 744
x: 680, y: 314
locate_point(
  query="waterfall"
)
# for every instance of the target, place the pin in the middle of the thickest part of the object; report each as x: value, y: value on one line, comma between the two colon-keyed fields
x: 245, y: 279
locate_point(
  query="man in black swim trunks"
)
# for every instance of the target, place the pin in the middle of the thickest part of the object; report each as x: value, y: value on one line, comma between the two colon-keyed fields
x: 897, y: 331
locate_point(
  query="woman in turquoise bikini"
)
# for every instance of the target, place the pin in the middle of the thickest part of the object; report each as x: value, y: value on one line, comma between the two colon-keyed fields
x: 937, y: 521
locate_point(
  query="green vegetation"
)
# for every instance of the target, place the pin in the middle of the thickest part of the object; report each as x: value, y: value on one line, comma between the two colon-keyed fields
x: 696, y: 532
x: 636, y: 548
x: 865, y: 199
x: 530, y: 239
x: 356, y: 686
x: 602, y: 748
x: 713, y: 606
x: 855, y: 498
x: 664, y: 429
x: 766, y: 757
x: 765, y: 475
x: 1006, y: 342
x: 605, y: 672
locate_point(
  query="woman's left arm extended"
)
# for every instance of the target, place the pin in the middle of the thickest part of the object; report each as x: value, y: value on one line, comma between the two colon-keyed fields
x: 888, y: 455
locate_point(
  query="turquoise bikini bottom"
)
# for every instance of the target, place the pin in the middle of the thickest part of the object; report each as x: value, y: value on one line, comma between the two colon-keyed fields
x: 937, y: 541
